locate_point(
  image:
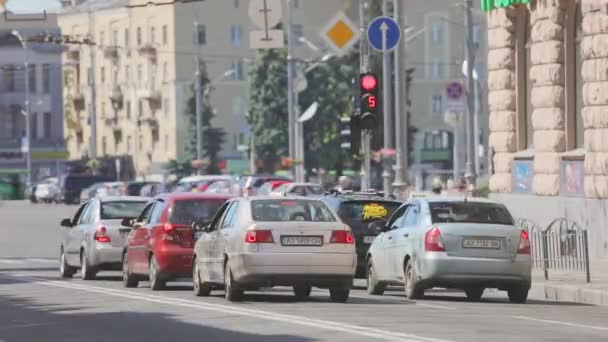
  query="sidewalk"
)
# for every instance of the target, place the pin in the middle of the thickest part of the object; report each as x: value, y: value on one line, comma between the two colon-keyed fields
x: 571, y: 287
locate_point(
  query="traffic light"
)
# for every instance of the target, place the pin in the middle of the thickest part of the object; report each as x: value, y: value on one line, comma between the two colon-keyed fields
x: 350, y: 134
x: 369, y: 101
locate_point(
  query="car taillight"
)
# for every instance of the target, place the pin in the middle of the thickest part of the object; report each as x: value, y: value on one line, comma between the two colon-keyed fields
x: 259, y: 236
x: 101, y: 235
x: 524, y: 243
x: 168, y: 227
x: 342, y: 236
x: 433, y: 241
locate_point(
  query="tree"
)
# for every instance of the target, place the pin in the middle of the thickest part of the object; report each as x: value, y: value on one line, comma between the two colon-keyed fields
x: 268, y: 115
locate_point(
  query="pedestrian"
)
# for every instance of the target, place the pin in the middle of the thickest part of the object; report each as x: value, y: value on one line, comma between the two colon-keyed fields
x: 437, y: 186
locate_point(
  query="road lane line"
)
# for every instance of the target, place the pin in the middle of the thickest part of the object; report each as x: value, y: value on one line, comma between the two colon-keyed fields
x: 11, y: 261
x: 24, y: 325
x: 235, y: 310
x: 405, y: 301
x: 548, y: 321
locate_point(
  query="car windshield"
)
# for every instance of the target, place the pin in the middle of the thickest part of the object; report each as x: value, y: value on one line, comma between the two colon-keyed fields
x: 366, y: 211
x: 191, y: 210
x: 81, y: 182
x: 470, y: 212
x: 290, y: 210
x: 121, y: 209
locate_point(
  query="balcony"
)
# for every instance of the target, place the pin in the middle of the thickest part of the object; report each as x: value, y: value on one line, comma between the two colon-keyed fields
x: 111, y: 53
x: 149, y: 51
x: 117, y: 98
x: 78, y: 101
x: 148, y: 119
x: 151, y: 94
x: 72, y: 57
x: 113, y: 122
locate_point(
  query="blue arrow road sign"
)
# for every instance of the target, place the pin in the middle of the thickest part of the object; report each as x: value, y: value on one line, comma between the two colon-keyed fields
x: 383, y: 33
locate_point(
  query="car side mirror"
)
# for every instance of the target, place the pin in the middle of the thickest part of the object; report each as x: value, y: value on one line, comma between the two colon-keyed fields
x: 378, y: 226
x: 128, y: 222
x: 67, y: 223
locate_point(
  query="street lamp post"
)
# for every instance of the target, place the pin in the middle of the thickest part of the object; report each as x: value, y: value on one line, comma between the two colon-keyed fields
x: 26, y: 109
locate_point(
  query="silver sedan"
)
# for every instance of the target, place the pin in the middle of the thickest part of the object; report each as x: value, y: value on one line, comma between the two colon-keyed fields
x: 94, y: 238
x: 259, y: 242
x: 468, y: 244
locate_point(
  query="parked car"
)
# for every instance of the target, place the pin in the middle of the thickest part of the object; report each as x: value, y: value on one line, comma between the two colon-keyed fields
x: 298, y: 189
x: 251, y: 184
x: 154, y: 189
x: 70, y: 186
x: 47, y: 190
x: 134, y: 188
x: 223, y: 186
x: 90, y: 192
x: 161, y: 243
x: 95, y: 237
x: 468, y: 244
x: 358, y: 210
x: 258, y: 242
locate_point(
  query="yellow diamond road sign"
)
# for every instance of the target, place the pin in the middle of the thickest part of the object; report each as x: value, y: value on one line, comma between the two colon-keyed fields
x: 340, y: 33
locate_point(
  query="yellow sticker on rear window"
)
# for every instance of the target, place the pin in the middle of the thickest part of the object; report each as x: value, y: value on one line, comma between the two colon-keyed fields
x: 373, y: 211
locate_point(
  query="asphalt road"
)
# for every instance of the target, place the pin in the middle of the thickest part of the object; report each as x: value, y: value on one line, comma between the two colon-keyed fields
x: 35, y: 305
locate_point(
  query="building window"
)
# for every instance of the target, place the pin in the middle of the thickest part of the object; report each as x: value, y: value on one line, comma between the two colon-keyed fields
x: 573, y: 63
x: 129, y: 144
x: 115, y: 76
x: 31, y: 71
x: 127, y: 40
x: 165, y: 35
x: 9, y: 78
x: 138, y: 36
x: 115, y: 38
x: 103, y: 109
x: 166, y: 107
x: 166, y: 142
x: 101, y: 39
x: 237, y: 106
x: 141, y: 142
x: 153, y: 35
x: 201, y: 35
x: 127, y: 74
x: 165, y: 71
x: 298, y: 33
x: 103, y: 74
x: 437, y: 104
x: 140, y: 108
x: 128, y: 109
x: 34, y: 126
x: 437, y: 32
x: 239, y: 72
x: 46, y: 78
x: 47, y: 124
x: 236, y: 33
x: 524, y: 108
x: 104, y: 146
x: 139, y: 73
x: 437, y: 70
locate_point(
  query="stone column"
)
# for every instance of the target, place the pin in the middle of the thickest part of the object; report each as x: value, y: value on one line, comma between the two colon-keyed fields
x: 501, y: 96
x: 595, y: 96
x: 548, y: 94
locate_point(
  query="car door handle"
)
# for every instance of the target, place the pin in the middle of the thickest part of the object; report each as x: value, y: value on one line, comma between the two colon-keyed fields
x: 390, y: 237
x: 406, y: 235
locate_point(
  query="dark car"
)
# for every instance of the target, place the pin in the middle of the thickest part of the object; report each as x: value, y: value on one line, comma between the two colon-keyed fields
x: 358, y: 210
x: 134, y: 188
x: 70, y: 186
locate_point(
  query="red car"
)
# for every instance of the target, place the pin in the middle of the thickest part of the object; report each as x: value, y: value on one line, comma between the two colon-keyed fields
x: 160, y: 244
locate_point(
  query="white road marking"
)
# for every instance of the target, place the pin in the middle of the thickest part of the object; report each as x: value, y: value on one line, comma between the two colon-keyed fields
x: 44, y: 261
x: 11, y: 261
x: 388, y: 299
x: 235, y: 310
x: 435, y: 306
x: 585, y: 326
x: 24, y: 325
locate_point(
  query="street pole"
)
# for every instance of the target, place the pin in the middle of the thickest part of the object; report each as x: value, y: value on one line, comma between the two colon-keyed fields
x: 290, y: 85
x: 401, y: 104
x: 26, y: 109
x: 364, y: 135
x: 199, y: 106
x: 93, y: 105
x: 477, y: 139
x: 386, y: 88
x: 470, y: 58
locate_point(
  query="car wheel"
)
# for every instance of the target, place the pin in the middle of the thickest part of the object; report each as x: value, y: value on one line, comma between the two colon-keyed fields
x: 474, y: 293
x: 518, y: 295
x: 302, y: 292
x: 156, y: 281
x: 339, y: 295
x: 412, y: 289
x: 201, y: 289
x: 65, y: 270
x: 374, y: 287
x: 233, y: 293
x: 128, y: 279
x: 87, y: 272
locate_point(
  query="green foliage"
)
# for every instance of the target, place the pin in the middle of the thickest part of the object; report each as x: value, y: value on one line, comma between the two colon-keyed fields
x: 179, y: 169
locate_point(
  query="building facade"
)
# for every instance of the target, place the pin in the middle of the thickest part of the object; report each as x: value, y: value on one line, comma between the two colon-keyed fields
x: 144, y: 70
x: 548, y: 97
x: 45, y: 96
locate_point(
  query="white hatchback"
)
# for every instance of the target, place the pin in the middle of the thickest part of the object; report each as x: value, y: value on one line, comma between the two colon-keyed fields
x: 260, y: 242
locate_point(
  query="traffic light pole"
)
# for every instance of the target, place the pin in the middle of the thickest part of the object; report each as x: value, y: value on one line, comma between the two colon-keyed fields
x: 386, y: 88
x: 469, y: 56
x: 292, y: 134
x: 401, y: 106
x: 365, y: 134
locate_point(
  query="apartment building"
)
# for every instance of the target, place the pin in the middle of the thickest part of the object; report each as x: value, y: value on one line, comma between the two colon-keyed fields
x: 45, y: 96
x: 144, y: 61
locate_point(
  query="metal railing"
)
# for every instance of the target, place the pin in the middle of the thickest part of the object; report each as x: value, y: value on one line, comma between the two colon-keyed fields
x: 562, y: 246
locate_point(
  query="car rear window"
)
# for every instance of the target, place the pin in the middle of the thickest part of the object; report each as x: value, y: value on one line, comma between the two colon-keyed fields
x: 470, y: 212
x: 120, y: 210
x: 290, y: 210
x: 78, y: 183
x: 191, y: 210
x: 366, y: 211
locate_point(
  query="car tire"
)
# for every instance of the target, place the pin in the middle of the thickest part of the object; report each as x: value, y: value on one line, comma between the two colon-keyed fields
x: 65, y: 270
x: 474, y: 294
x: 129, y: 280
x: 233, y: 292
x: 413, y: 290
x: 302, y: 292
x: 157, y: 283
x: 87, y: 272
x: 374, y: 287
x: 339, y: 295
x: 201, y: 289
x: 518, y: 295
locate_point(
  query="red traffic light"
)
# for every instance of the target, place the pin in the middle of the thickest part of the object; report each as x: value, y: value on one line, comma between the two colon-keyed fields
x: 369, y: 82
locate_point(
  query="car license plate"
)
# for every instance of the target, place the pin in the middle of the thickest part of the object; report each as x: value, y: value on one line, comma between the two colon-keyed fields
x: 481, y: 243
x: 302, y: 240
x: 369, y: 239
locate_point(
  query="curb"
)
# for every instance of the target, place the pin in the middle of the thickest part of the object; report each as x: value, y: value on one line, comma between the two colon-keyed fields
x: 570, y: 293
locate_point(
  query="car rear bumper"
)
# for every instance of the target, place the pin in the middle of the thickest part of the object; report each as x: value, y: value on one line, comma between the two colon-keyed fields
x: 277, y: 269
x: 175, y: 260
x: 439, y: 269
x: 106, y: 256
